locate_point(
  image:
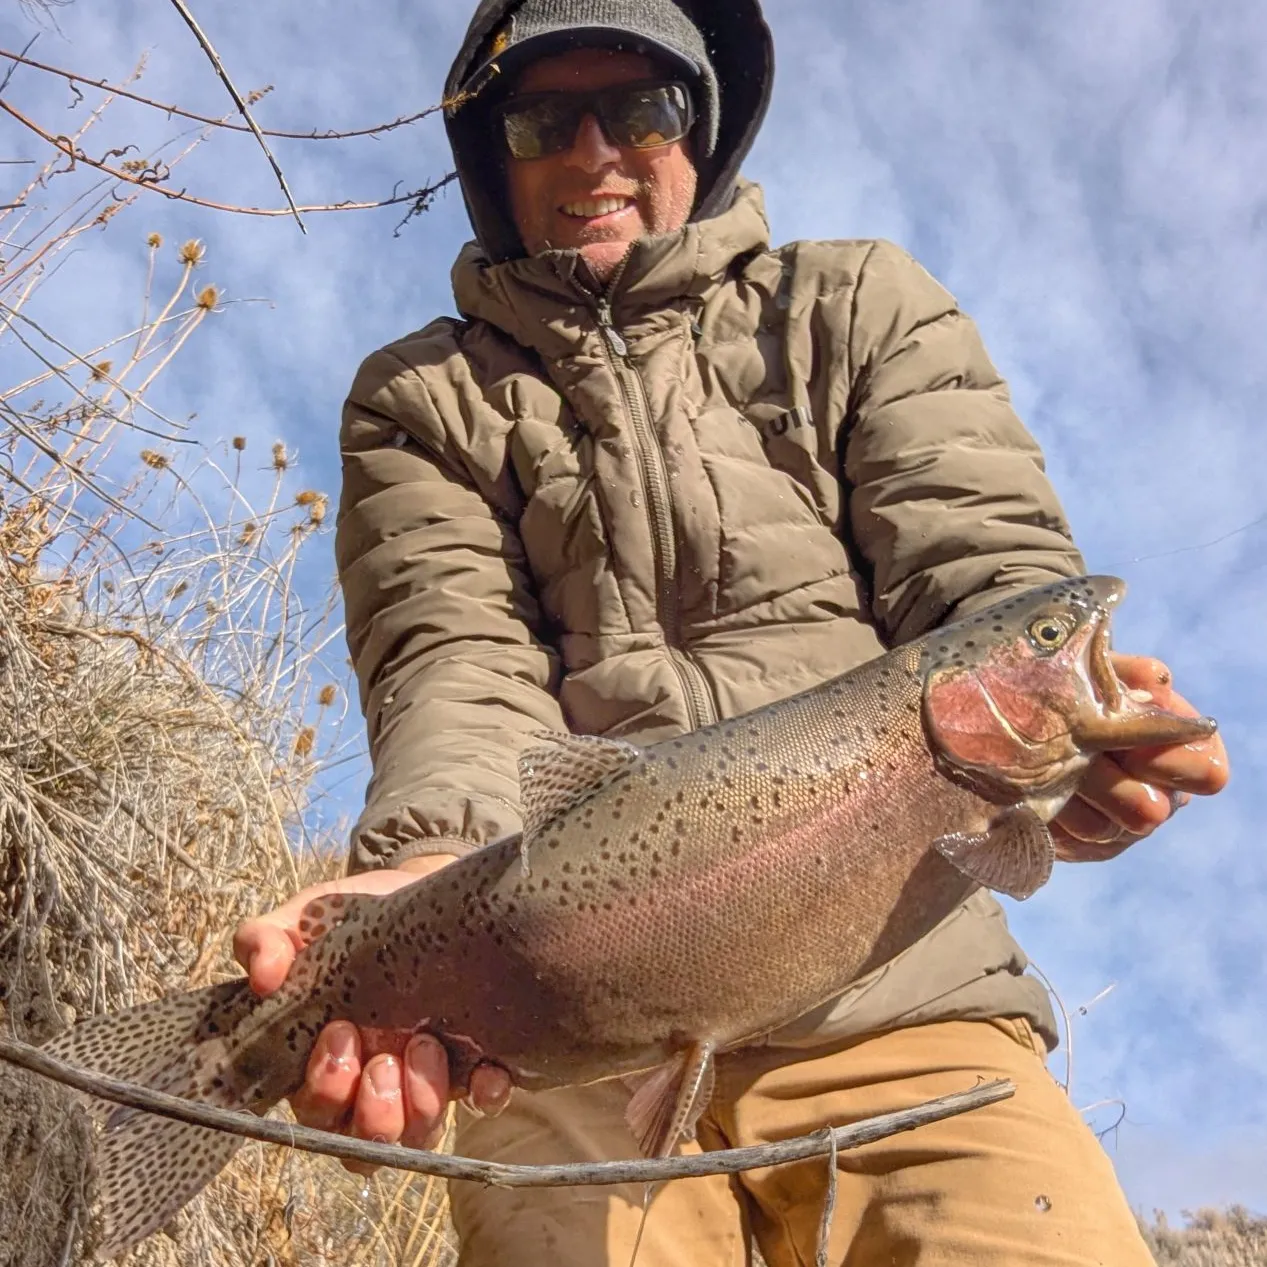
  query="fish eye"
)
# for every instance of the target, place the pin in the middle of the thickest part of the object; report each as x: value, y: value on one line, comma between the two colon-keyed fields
x: 1050, y: 633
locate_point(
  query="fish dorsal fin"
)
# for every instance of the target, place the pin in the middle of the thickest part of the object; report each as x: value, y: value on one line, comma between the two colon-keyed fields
x: 565, y: 772
x: 1014, y: 856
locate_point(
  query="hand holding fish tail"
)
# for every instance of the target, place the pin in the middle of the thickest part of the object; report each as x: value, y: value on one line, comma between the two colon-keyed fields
x: 397, y: 1097
x: 1125, y: 796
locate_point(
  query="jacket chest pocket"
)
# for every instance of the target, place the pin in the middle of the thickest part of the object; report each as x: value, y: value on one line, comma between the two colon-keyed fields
x: 799, y: 457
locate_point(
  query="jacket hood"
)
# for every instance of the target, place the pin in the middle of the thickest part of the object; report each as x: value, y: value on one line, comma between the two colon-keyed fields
x: 742, y: 54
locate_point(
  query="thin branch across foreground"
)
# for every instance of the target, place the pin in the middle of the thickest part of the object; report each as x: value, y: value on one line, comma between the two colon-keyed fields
x: 721, y: 1162
x: 154, y: 180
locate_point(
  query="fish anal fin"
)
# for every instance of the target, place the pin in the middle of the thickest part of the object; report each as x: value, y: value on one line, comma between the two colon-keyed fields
x: 565, y: 771
x: 1013, y: 856
x: 668, y: 1102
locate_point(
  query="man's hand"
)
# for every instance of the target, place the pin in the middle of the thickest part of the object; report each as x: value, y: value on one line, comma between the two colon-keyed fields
x: 386, y: 1098
x: 1124, y: 796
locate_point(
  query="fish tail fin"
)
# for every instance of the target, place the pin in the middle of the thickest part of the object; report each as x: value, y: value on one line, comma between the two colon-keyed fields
x: 188, y: 1045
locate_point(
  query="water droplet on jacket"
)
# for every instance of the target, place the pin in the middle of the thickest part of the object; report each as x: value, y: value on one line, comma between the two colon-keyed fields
x: 1042, y: 1203
x: 635, y: 500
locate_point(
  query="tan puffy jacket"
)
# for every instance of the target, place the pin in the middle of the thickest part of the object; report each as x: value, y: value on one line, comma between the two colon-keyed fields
x: 751, y: 471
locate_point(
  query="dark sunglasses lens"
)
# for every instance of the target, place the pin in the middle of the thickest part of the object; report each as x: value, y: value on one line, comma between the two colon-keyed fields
x: 639, y: 117
x: 645, y: 117
x: 545, y: 127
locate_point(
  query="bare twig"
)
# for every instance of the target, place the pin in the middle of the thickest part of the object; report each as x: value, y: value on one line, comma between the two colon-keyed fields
x: 55, y: 455
x: 154, y: 181
x: 316, y: 134
x: 829, y: 1204
x: 8, y: 74
x: 571, y: 1174
x: 238, y: 100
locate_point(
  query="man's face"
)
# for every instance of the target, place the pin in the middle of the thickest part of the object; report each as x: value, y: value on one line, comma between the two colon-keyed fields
x: 553, y: 199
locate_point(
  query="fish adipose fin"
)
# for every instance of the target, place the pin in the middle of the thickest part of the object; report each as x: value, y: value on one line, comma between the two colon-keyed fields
x: 324, y: 914
x: 1014, y: 856
x: 566, y: 771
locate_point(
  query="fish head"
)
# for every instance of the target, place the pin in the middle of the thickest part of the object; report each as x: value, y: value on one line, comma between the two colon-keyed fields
x: 1020, y: 697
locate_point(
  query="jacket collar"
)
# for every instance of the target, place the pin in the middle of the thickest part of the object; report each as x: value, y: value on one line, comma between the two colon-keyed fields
x: 546, y: 302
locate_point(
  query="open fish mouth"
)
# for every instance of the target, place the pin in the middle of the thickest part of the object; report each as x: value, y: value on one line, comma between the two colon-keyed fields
x: 1105, y: 682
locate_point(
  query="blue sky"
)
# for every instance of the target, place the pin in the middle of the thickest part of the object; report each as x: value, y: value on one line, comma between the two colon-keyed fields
x: 1088, y: 180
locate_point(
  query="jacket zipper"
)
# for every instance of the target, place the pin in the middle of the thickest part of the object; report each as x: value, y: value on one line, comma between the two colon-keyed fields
x: 701, y: 709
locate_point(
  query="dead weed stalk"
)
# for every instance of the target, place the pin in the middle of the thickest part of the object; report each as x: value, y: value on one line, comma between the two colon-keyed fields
x: 169, y: 699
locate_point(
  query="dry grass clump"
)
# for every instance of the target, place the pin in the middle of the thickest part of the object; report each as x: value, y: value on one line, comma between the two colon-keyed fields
x: 170, y: 693
x: 162, y: 714
x: 1211, y: 1238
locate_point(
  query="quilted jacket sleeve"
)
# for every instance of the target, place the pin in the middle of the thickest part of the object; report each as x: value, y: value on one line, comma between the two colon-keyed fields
x: 949, y: 503
x: 442, y: 625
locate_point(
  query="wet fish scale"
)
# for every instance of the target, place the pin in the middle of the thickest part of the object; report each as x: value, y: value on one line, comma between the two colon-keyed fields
x: 679, y: 899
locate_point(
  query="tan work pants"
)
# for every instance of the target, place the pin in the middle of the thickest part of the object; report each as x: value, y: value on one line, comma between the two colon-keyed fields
x: 1022, y: 1181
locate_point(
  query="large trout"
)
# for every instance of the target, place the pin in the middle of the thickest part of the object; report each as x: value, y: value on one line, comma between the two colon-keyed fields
x: 674, y: 901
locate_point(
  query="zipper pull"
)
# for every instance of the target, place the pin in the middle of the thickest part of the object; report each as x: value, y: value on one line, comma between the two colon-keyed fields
x: 617, y: 344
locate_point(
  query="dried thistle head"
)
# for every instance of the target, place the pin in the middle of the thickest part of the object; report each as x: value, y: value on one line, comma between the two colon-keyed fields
x: 154, y: 241
x: 207, y: 298
x: 239, y: 443
x: 249, y: 529
x: 100, y: 370
x: 178, y: 589
x: 304, y: 741
x: 316, y: 503
x: 280, y: 460
x: 327, y: 695
x: 154, y: 460
x: 193, y: 252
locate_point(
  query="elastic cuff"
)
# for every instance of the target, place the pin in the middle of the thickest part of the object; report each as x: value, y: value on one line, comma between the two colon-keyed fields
x: 372, y: 856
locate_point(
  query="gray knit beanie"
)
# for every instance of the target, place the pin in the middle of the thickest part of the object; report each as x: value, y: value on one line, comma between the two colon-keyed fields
x: 722, y: 48
x: 662, y: 29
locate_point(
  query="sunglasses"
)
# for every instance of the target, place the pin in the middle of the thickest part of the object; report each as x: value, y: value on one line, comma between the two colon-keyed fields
x: 635, y: 116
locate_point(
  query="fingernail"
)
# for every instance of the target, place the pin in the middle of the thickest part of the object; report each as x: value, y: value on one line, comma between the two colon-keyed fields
x: 490, y: 1088
x: 427, y: 1058
x: 384, y: 1076
x: 341, y: 1042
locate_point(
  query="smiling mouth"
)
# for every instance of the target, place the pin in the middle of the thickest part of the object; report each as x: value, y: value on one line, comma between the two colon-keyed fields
x: 595, y: 208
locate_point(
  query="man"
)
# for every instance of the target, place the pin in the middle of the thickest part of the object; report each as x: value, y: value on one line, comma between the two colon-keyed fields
x: 661, y: 473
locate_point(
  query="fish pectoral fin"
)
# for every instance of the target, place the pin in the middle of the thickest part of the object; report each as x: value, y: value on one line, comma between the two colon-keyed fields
x: 1014, y: 856
x: 669, y: 1100
x: 566, y: 771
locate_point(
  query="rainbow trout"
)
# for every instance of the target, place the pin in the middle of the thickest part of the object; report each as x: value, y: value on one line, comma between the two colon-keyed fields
x: 675, y: 901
